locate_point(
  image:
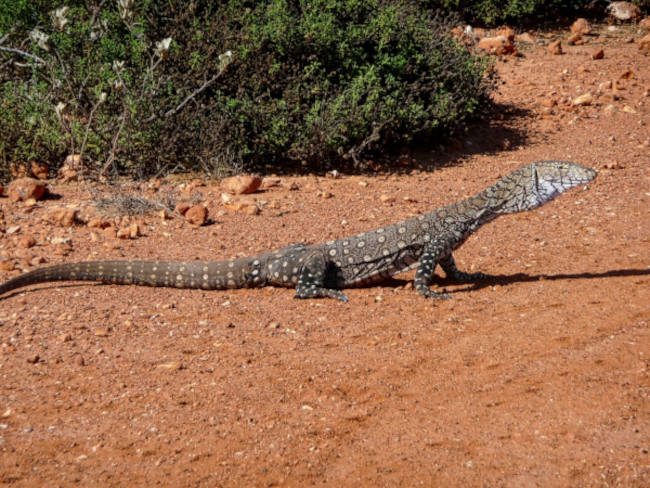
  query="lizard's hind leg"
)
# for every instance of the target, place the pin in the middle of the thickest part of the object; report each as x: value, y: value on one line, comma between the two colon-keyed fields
x: 311, y: 280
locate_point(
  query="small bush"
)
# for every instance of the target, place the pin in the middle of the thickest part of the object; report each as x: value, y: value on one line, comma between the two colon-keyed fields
x: 149, y: 87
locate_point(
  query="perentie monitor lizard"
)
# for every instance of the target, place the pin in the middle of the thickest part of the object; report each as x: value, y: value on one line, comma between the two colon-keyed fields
x: 322, y: 270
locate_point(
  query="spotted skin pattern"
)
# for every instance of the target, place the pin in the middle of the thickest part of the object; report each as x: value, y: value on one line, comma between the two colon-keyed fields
x: 322, y: 270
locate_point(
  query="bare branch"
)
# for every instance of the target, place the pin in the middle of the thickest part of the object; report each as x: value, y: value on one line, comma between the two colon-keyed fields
x: 111, y: 156
x: 89, y: 123
x: 22, y: 53
x: 192, y: 95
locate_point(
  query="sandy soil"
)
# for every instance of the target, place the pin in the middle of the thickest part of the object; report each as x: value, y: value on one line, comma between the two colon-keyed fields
x: 536, y: 378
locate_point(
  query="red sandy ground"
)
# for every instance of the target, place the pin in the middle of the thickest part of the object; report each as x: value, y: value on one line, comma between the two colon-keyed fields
x: 538, y: 378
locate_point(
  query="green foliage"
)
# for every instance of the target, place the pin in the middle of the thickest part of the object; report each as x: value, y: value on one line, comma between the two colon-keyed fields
x: 29, y: 128
x: 494, y: 12
x: 316, y: 82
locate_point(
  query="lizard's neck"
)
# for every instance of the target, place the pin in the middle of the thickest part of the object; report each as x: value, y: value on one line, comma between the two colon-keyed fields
x: 507, y: 196
x: 499, y: 199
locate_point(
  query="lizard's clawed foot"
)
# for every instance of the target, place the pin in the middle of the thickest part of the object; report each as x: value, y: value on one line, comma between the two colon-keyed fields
x: 428, y: 293
x: 317, y: 292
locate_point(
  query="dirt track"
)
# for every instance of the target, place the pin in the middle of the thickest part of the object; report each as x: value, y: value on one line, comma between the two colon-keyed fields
x: 537, y: 378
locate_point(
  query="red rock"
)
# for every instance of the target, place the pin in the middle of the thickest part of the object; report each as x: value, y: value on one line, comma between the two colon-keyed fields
x: 64, y: 217
x: 67, y: 174
x: 599, y: 54
x: 507, y: 32
x: 582, y: 100
x: 73, y: 161
x: 644, y: 45
x: 123, y: 233
x: 18, y: 170
x: 499, y: 45
x: 196, y: 183
x: 269, y: 182
x: 605, y: 85
x: 182, y: 207
x: 290, y: 185
x: 574, y: 39
x: 581, y: 27
x: 549, y: 102
x: 109, y: 233
x: 547, y: 111
x: 36, y: 260
x: 197, y: 215
x: 72, y: 168
x: 131, y: 231
x: 134, y: 230
x: 645, y: 24
x: 241, y: 184
x: 98, y: 223
x: 24, y: 188
x: 555, y: 47
x: 526, y: 37
x: 40, y: 170
x: 27, y: 241
x: 240, y: 204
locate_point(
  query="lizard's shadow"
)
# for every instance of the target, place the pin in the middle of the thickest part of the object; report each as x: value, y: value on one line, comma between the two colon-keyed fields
x: 503, y: 280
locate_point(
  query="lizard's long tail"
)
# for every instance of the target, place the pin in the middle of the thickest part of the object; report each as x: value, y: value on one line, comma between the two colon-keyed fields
x: 216, y: 275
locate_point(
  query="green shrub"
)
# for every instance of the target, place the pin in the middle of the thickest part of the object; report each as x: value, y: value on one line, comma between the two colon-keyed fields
x: 239, y: 84
x: 494, y: 12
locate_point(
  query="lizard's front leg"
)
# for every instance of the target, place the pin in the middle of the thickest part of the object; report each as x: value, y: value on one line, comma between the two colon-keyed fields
x: 428, y: 262
x: 448, y: 265
x: 311, y: 281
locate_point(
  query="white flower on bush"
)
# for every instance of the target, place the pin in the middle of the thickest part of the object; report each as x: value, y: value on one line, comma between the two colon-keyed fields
x: 118, y: 65
x: 224, y: 60
x: 117, y: 85
x: 102, y: 97
x: 40, y: 38
x: 98, y: 29
x: 59, y: 18
x: 60, y: 109
x: 125, y: 8
x: 162, y: 47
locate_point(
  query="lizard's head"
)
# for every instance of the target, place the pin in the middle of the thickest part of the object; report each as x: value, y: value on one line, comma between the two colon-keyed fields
x: 555, y: 177
x: 537, y: 183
